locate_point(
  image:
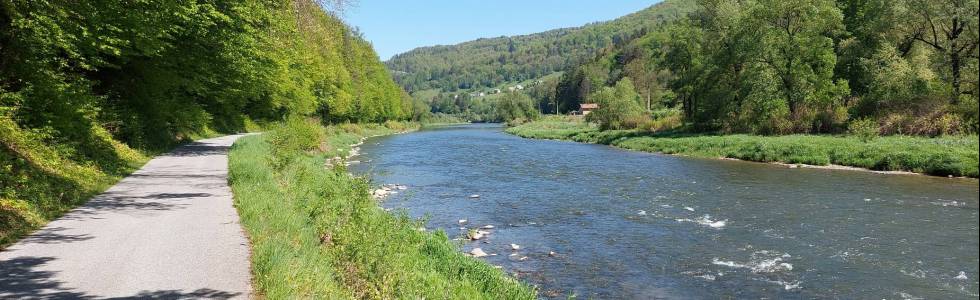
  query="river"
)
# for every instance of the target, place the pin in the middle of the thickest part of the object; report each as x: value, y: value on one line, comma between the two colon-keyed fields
x: 600, y: 222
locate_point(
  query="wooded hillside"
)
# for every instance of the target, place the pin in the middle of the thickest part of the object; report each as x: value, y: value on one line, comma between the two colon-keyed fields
x: 489, y: 62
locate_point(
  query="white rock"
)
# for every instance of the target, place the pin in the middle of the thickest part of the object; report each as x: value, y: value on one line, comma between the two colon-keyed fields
x: 477, y: 252
x: 487, y: 227
x: 474, y: 196
x: 462, y: 221
x: 642, y: 213
x: 552, y: 253
x: 962, y: 276
x: 515, y: 247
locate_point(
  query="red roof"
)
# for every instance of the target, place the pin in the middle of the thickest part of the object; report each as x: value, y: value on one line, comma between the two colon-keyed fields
x: 589, y: 106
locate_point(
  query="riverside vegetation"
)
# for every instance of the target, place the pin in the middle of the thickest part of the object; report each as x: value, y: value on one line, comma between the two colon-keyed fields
x: 950, y: 155
x: 318, y: 233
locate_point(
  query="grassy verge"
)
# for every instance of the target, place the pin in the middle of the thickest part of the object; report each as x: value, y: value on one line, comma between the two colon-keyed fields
x: 941, y: 156
x: 317, y: 233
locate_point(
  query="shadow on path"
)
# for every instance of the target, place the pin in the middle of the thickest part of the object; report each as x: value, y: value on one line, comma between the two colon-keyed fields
x: 19, y: 279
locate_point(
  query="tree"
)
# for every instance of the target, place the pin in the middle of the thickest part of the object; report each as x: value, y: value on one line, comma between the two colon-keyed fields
x: 794, y: 45
x: 516, y: 106
x: 949, y: 27
x: 619, y: 106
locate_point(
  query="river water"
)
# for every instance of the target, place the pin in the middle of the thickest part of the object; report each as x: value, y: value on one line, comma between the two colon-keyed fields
x: 600, y: 222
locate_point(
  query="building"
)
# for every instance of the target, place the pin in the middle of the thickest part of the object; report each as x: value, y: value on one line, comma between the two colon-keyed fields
x: 587, y: 108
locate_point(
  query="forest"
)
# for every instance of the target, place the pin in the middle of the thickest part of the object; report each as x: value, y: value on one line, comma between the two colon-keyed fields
x: 90, y: 89
x: 800, y: 66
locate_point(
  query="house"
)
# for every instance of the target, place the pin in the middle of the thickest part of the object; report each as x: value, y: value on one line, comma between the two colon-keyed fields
x: 519, y: 87
x: 587, y: 108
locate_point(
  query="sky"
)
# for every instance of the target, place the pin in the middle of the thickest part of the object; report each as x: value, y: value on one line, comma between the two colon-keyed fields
x: 396, y: 26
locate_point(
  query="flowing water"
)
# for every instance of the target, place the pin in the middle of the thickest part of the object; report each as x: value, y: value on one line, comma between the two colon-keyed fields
x: 599, y: 222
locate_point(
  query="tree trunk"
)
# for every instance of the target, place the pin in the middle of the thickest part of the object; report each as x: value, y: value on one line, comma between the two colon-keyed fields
x: 648, y: 100
x: 954, y: 59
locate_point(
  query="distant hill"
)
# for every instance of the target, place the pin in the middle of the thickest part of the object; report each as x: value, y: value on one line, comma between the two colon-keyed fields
x: 489, y: 62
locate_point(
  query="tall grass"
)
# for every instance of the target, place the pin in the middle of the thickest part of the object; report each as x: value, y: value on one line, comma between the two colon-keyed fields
x: 941, y: 156
x: 317, y: 232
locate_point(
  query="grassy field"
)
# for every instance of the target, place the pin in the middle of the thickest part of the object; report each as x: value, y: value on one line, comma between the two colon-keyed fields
x: 317, y: 233
x: 941, y: 156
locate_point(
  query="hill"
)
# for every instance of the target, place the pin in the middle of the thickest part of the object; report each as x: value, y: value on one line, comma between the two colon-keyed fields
x: 490, y: 62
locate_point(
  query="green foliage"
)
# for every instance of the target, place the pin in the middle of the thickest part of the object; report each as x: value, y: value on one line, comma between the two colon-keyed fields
x: 864, y: 129
x: 291, y: 138
x: 801, y: 66
x: 619, y: 107
x: 667, y: 119
x: 516, y: 107
x: 951, y: 155
x: 317, y: 232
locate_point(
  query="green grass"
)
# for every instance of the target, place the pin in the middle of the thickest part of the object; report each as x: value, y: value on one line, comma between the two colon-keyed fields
x: 317, y: 233
x: 941, y: 156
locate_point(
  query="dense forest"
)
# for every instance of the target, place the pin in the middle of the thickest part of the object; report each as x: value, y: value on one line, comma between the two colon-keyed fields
x: 800, y: 66
x: 88, y: 88
x: 490, y: 62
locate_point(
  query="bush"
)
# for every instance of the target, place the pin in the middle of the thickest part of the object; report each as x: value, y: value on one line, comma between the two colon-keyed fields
x: 619, y: 107
x: 293, y: 137
x: 664, y: 120
x: 864, y: 129
x: 516, y: 106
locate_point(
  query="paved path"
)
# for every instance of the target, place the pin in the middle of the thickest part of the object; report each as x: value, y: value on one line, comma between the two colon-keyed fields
x: 168, y: 231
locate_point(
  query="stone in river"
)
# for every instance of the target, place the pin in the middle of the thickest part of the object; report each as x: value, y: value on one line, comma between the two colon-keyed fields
x: 475, y: 235
x: 477, y: 252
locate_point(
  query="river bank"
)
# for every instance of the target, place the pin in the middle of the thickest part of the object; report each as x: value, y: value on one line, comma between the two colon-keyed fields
x: 941, y: 156
x: 317, y: 232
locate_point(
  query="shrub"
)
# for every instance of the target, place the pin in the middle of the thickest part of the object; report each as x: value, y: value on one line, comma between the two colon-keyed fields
x: 294, y: 136
x: 663, y: 120
x: 865, y: 129
x: 619, y: 107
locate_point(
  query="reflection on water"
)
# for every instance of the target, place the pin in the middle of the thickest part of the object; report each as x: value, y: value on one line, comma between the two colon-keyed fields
x: 600, y: 222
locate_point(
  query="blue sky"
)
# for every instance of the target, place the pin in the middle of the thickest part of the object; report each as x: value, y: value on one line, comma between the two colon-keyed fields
x: 396, y: 26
